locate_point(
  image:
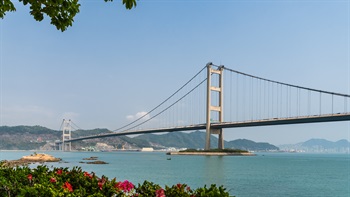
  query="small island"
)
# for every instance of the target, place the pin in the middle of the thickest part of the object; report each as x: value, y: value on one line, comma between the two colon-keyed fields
x: 213, y: 152
x: 94, y: 161
x: 33, y: 158
x: 40, y: 157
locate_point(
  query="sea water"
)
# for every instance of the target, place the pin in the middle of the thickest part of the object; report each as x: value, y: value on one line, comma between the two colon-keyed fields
x: 267, y: 174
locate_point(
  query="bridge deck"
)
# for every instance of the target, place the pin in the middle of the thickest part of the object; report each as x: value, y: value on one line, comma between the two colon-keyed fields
x: 282, y: 121
x: 265, y: 122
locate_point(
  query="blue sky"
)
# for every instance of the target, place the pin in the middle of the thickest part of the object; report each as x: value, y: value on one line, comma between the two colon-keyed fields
x: 114, y: 62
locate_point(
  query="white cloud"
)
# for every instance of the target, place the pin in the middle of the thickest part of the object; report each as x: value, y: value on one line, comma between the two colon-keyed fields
x: 138, y: 115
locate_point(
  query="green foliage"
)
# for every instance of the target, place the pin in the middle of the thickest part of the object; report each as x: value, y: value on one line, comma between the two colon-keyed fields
x: 25, y: 137
x: 135, y: 141
x: 196, y: 140
x: 82, y: 133
x: 6, y: 6
x: 147, y: 189
x: 128, y: 3
x: 213, y: 191
x: 179, y: 139
x: 44, y: 181
x: 250, y: 145
x: 61, y: 12
x: 38, y: 130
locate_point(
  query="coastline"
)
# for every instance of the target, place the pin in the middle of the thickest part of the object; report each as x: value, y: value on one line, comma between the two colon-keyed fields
x: 211, y: 153
x: 33, y: 158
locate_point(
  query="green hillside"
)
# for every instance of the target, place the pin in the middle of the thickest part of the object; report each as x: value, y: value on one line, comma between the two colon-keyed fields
x: 38, y: 137
x: 196, y: 140
x: 25, y: 137
x: 178, y: 139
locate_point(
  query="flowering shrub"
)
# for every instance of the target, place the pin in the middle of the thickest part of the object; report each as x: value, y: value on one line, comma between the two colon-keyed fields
x: 45, y: 182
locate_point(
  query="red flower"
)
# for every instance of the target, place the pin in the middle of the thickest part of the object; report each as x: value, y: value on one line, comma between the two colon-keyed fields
x: 88, y: 175
x: 160, y: 193
x: 179, y: 185
x: 100, y: 185
x: 117, y: 185
x: 59, y: 171
x: 53, y: 180
x: 30, y: 177
x: 188, y: 188
x: 68, y: 186
x: 101, y: 182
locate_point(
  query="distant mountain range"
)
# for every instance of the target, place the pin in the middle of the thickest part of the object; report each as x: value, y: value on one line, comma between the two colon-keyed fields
x: 318, y: 145
x: 38, y: 137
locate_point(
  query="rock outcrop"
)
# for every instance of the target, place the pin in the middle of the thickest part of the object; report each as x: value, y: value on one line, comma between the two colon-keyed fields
x: 34, y: 158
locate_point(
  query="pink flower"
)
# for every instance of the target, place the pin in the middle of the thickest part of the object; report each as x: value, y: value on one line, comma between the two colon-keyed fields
x: 68, y: 186
x: 126, y: 186
x: 30, y: 177
x: 160, y: 193
x: 53, y: 180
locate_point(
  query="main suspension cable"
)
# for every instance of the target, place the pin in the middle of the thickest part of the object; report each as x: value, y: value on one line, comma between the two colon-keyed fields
x: 161, y: 102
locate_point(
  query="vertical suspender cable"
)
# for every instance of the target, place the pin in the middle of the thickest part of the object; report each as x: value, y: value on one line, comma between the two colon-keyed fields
x: 237, y: 96
x: 345, y: 105
x: 259, y: 99
x: 332, y: 104
x: 309, y: 103
x: 278, y: 112
x: 298, y: 102
x: 281, y: 101
x: 244, y: 107
x: 320, y: 103
x: 251, y: 98
x: 287, y: 101
x: 231, y: 119
x: 290, y: 101
x: 268, y: 100
x: 257, y: 91
x: 273, y: 87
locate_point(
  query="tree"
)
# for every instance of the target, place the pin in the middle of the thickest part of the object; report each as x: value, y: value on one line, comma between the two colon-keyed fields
x: 61, y: 12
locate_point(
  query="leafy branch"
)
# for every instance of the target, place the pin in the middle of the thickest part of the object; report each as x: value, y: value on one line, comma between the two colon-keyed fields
x: 61, y: 12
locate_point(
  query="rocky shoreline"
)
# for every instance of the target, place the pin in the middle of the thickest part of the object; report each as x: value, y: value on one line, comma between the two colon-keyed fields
x: 34, y: 158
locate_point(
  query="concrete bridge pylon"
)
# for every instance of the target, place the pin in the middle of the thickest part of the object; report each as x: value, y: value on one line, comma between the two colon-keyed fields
x: 214, y: 108
x: 66, y: 135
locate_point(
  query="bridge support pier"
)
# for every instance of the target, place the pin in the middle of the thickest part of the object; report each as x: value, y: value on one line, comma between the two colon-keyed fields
x: 214, y: 108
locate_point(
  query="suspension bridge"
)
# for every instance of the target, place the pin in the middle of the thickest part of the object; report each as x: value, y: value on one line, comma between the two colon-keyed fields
x: 218, y: 97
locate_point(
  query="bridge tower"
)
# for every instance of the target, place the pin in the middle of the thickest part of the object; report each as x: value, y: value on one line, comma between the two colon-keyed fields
x: 66, y: 135
x: 213, y: 108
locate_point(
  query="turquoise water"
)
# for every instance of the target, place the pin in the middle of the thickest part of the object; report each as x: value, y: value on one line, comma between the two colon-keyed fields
x: 267, y: 174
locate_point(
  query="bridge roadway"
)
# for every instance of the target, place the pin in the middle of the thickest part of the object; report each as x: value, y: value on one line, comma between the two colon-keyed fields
x: 252, y: 123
